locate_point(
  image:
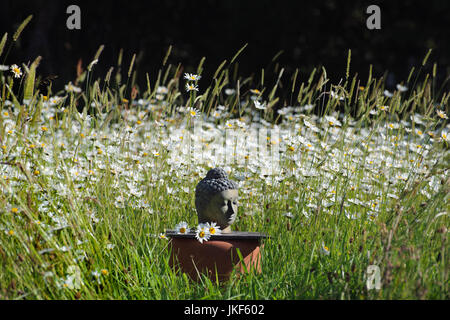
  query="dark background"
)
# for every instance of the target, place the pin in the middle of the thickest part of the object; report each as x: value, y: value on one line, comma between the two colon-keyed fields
x: 311, y: 34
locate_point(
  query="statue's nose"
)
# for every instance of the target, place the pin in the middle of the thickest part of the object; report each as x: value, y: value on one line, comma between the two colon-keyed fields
x: 230, y: 208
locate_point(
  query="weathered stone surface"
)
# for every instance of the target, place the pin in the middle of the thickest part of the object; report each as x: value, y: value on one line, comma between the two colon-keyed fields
x: 216, y: 199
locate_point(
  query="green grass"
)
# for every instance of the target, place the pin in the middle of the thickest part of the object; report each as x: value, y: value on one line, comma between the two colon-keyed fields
x: 93, y: 190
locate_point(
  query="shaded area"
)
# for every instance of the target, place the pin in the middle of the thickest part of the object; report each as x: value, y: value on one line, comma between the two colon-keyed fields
x: 310, y: 33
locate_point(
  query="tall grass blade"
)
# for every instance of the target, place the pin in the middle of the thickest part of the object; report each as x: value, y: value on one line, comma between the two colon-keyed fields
x: 238, y: 53
x: 3, y: 42
x: 30, y: 79
x: 21, y: 27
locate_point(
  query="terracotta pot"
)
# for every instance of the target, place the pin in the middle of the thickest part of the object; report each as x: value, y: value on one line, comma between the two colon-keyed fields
x: 219, y: 254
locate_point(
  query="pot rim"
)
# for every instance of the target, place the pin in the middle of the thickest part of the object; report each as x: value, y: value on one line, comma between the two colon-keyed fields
x: 234, y: 235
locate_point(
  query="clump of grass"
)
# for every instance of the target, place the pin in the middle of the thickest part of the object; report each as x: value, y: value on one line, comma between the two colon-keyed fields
x: 92, y: 177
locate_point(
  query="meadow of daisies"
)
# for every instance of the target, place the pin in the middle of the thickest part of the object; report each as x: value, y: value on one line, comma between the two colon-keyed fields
x: 93, y: 174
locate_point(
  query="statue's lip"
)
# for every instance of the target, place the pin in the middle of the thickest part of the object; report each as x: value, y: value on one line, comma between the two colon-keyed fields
x: 233, y: 235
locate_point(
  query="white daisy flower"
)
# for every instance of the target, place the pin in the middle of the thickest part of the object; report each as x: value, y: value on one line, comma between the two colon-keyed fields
x: 71, y: 88
x: 202, y: 233
x: 16, y: 70
x: 192, y: 77
x: 191, y: 87
x: 193, y: 112
x: 388, y: 94
x: 162, y: 236
x: 230, y: 92
x: 213, y: 229
x: 332, y: 121
x: 162, y: 90
x: 182, y: 227
x: 288, y: 215
x: 441, y: 114
x: 307, y: 107
x: 156, y: 153
x: 401, y: 88
x: 259, y: 106
x: 324, y: 249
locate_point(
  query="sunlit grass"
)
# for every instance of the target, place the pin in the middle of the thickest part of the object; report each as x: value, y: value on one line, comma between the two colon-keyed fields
x: 90, y: 178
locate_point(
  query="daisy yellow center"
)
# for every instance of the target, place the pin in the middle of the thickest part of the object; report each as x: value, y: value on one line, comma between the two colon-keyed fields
x: 201, y: 234
x: 16, y: 70
x: 193, y: 113
x: 183, y: 230
x: 14, y: 210
x: 212, y: 230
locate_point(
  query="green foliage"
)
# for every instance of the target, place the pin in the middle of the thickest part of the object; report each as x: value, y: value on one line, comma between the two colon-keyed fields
x: 90, y: 183
x: 30, y: 80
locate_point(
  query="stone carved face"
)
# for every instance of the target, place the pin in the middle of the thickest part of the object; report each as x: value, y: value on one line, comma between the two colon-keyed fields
x: 221, y: 209
x: 216, y: 199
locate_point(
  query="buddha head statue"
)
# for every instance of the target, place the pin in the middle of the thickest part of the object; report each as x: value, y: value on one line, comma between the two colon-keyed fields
x: 216, y: 199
